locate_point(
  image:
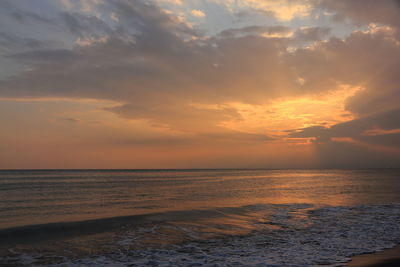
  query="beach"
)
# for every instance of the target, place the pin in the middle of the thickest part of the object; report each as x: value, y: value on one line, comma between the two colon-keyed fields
x: 386, y: 258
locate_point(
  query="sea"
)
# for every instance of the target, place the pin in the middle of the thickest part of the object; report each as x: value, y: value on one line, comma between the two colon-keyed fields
x: 228, y: 217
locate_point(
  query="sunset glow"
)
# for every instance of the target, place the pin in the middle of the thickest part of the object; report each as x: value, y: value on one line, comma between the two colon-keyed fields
x: 171, y: 83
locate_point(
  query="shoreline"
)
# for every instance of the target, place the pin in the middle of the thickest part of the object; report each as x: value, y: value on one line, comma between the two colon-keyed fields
x: 386, y: 258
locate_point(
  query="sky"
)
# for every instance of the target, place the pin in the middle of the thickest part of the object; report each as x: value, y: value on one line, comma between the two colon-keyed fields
x: 199, y: 84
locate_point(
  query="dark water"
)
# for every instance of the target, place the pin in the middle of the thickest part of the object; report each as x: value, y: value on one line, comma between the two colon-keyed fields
x: 183, y: 217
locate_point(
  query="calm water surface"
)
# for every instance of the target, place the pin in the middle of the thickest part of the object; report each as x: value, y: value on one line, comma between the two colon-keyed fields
x: 34, y: 197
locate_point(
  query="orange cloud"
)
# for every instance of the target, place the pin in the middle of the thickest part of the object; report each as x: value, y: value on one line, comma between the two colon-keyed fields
x: 198, y: 13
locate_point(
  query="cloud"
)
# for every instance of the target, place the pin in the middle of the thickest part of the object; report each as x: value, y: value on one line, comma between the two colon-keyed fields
x: 82, y: 25
x: 178, y: 116
x: 74, y: 120
x: 167, y: 72
x: 266, y: 31
x: 151, y: 66
x: 10, y: 41
x: 364, y: 59
x: 308, y: 34
x: 198, y: 13
x: 366, y: 142
x: 365, y: 11
x: 58, y: 56
x: 174, y: 2
x: 283, y: 10
x: 385, y: 125
x: 25, y: 16
x: 172, y: 87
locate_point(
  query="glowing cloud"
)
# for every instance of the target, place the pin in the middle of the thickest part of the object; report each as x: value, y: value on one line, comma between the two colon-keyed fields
x: 210, y: 82
x: 198, y: 13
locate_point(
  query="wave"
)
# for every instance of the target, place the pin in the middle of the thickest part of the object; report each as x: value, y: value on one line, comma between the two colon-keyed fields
x: 282, y: 235
x: 57, y: 230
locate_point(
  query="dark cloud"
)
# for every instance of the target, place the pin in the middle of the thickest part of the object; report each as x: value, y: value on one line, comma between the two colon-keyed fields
x: 29, y: 17
x: 81, y: 25
x: 357, y: 129
x: 59, y: 56
x: 254, y: 30
x: 246, y: 14
x: 10, y: 41
x: 365, y: 11
x: 75, y: 120
x: 312, y: 33
x: 319, y: 132
x: 347, y: 145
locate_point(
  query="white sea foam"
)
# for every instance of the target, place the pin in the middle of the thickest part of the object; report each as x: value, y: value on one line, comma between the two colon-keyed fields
x: 292, y: 235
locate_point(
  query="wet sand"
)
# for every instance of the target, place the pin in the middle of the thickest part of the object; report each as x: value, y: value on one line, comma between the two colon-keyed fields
x: 386, y: 258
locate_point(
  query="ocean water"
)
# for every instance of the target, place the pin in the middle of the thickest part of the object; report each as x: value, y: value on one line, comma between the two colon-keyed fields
x: 196, y: 217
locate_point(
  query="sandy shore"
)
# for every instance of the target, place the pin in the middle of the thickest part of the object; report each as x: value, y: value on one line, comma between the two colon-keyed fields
x: 386, y: 258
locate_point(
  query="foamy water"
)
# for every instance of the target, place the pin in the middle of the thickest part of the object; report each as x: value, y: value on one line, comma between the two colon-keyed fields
x: 197, y: 218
